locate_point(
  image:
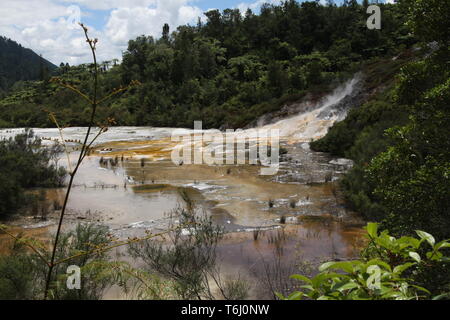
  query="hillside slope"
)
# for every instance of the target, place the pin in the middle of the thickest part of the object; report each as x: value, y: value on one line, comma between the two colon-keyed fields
x: 19, y: 63
x: 227, y: 72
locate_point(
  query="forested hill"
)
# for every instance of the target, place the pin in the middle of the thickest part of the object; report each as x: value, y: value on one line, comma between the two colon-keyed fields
x: 227, y: 71
x: 19, y: 63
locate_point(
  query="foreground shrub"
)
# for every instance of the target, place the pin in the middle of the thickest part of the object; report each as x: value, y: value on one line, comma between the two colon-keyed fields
x: 390, y: 269
x: 23, y: 274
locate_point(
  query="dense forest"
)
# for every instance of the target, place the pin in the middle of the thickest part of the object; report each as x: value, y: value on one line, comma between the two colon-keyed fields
x: 227, y: 72
x: 20, y: 64
x: 400, y: 145
x: 399, y: 139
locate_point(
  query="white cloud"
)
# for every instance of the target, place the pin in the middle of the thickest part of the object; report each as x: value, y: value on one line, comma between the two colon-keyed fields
x: 127, y: 23
x: 57, y: 41
x: 27, y: 13
x: 46, y: 26
x: 109, y: 4
x: 188, y: 14
x: 254, y: 5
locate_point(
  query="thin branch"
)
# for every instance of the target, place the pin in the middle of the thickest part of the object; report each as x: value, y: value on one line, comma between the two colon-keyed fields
x: 119, y: 90
x: 94, y: 102
x: 120, y: 243
x: 35, y: 250
x: 73, y: 88
x: 92, y: 44
x: 102, y: 130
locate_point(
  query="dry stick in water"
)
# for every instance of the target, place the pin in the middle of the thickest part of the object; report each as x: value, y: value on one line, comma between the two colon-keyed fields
x: 85, y: 147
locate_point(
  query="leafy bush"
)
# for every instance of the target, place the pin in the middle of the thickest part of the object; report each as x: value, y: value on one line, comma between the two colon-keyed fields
x: 390, y: 269
x: 25, y: 164
x: 400, y: 145
x: 23, y: 274
x: 16, y: 276
x: 189, y: 257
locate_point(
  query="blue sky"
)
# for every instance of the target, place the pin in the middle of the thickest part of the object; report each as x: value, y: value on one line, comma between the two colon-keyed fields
x: 99, y: 18
x: 49, y: 26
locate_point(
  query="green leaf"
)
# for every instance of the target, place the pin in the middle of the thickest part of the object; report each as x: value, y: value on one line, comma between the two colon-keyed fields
x: 322, y: 277
x: 280, y: 296
x: 301, y: 278
x: 346, y: 266
x: 391, y: 294
x: 309, y: 287
x: 408, y: 242
x: 442, y: 296
x: 421, y: 288
x: 434, y: 255
x: 415, y: 256
x: 325, y: 298
x: 379, y: 263
x: 399, y: 269
x: 428, y: 237
x: 372, y: 229
x: 348, y: 286
x: 442, y: 244
x: 295, y: 296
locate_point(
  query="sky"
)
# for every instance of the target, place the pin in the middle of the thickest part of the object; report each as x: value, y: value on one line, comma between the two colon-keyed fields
x: 49, y: 27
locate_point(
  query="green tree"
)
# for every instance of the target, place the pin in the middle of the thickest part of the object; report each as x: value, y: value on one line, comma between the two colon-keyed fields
x: 411, y: 178
x: 25, y: 164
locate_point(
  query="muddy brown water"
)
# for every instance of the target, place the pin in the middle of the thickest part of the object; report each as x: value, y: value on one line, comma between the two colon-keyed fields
x: 117, y: 188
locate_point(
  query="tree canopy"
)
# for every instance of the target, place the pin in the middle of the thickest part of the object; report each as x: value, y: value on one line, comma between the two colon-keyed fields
x: 227, y: 71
